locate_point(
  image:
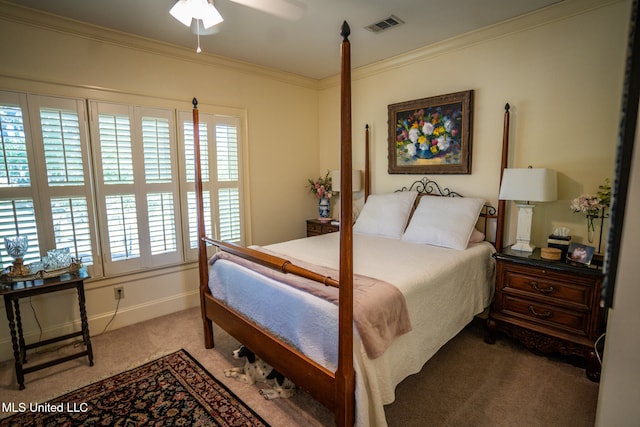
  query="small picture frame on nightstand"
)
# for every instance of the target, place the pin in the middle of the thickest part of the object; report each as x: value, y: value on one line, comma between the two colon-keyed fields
x: 580, y: 254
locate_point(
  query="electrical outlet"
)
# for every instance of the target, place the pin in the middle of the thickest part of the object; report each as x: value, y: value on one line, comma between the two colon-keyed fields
x: 118, y: 292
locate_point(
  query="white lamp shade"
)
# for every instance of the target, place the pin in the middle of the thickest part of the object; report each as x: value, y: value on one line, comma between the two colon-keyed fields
x: 356, y: 180
x: 530, y: 184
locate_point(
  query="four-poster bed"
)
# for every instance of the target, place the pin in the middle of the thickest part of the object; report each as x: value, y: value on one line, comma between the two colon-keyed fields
x: 316, y: 341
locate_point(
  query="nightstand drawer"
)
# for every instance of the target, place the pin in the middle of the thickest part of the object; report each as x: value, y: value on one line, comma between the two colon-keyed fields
x: 574, y: 293
x: 314, y: 228
x: 558, y: 318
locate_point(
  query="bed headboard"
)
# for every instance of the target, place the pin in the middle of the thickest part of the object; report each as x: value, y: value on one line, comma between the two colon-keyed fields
x: 428, y: 187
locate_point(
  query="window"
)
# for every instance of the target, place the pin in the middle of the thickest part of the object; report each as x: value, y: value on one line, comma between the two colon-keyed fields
x: 50, y: 204
x: 120, y: 196
x: 220, y: 165
x: 137, y: 192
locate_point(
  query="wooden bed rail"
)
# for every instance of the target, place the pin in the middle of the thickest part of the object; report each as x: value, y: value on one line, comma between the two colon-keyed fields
x: 271, y: 261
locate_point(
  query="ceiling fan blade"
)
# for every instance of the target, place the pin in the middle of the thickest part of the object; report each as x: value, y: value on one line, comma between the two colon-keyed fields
x: 288, y: 9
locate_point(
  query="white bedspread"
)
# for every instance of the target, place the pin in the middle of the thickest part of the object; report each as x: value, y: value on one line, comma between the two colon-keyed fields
x: 444, y: 289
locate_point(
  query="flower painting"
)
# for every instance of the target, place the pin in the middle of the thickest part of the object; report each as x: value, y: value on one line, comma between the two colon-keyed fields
x: 431, y: 135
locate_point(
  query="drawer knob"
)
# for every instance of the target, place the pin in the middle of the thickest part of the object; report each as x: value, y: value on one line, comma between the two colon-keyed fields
x: 543, y: 315
x: 547, y: 290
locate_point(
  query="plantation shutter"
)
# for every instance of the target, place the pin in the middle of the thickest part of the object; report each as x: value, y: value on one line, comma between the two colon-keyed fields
x: 228, y: 171
x: 156, y: 138
x: 65, y: 153
x: 139, y: 186
x: 17, y: 210
x: 220, y: 165
x: 44, y: 153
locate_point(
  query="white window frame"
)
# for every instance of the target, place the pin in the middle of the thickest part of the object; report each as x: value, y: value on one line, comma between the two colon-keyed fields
x: 39, y: 224
x: 213, y: 186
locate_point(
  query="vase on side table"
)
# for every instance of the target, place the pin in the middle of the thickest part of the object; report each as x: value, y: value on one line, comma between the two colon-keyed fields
x: 324, y: 207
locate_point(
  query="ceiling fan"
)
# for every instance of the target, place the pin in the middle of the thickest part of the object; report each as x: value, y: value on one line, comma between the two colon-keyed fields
x: 187, y: 10
x: 287, y: 9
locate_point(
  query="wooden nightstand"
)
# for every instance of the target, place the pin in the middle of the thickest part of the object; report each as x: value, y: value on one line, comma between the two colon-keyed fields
x: 550, y: 306
x: 315, y: 227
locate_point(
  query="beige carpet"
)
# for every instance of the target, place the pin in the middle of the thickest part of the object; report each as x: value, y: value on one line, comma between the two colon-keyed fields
x: 468, y: 383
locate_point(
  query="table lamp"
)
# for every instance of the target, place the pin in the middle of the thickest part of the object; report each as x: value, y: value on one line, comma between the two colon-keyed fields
x: 356, y: 185
x: 527, y: 185
x: 356, y: 180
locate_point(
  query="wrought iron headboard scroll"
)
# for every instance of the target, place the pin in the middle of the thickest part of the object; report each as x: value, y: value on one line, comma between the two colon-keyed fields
x: 430, y: 187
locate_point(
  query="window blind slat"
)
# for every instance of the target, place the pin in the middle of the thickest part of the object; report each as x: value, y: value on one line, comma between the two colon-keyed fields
x: 115, y: 143
x: 229, y: 212
x: 62, y: 147
x: 122, y: 225
x: 227, y: 152
x: 17, y: 217
x: 71, y: 227
x: 156, y: 138
x: 193, y: 220
x: 189, y: 151
x: 162, y: 223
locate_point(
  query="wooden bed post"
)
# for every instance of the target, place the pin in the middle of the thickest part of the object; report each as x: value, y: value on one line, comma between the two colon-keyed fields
x: 367, y: 166
x: 345, y: 377
x: 503, y: 165
x: 203, y: 270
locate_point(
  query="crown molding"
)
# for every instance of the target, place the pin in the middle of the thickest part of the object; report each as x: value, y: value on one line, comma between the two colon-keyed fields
x: 560, y: 11
x: 42, y: 20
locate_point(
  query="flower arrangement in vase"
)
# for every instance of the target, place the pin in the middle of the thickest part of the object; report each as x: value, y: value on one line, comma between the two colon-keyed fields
x: 321, y: 187
x: 593, y: 206
x: 430, y: 134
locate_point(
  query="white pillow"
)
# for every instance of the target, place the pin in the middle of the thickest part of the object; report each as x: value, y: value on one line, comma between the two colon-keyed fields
x: 444, y: 221
x: 385, y: 215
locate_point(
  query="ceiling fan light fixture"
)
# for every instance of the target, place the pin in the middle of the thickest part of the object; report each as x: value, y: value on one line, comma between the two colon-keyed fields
x: 210, y: 15
x: 182, y: 12
x: 186, y: 10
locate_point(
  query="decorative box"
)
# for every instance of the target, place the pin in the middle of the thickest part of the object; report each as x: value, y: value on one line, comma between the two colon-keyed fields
x: 559, y: 242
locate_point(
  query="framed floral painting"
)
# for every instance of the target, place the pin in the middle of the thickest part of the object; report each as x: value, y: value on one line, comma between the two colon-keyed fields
x: 431, y: 135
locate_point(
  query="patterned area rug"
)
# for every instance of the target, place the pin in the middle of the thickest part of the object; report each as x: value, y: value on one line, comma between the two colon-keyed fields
x: 174, y: 390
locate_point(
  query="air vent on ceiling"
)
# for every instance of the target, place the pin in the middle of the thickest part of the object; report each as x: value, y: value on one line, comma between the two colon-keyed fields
x: 385, y: 24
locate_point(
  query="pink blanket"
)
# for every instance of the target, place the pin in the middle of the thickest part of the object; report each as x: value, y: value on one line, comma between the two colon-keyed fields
x: 379, y: 310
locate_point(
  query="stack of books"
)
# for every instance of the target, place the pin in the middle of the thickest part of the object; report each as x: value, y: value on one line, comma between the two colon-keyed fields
x: 559, y: 242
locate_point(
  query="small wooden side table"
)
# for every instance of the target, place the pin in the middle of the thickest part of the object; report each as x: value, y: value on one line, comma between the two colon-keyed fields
x: 12, y: 292
x: 315, y: 227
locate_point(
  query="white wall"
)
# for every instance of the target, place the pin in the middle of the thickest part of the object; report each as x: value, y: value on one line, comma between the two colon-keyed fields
x: 561, y: 70
x: 57, y: 57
